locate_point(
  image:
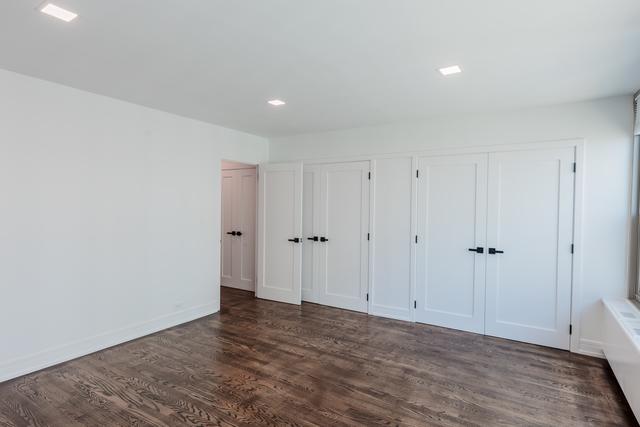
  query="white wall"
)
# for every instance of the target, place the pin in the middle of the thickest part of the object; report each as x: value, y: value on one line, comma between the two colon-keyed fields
x: 109, y: 220
x: 605, y: 124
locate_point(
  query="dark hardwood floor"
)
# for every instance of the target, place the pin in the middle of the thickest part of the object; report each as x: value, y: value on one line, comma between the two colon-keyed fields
x: 264, y: 363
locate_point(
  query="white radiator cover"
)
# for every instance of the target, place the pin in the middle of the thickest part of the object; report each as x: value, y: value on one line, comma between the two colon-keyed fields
x: 622, y: 347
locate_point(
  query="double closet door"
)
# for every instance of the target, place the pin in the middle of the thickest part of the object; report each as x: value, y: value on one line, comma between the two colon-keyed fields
x: 313, y: 234
x: 335, y: 250
x: 237, y: 264
x: 495, y: 242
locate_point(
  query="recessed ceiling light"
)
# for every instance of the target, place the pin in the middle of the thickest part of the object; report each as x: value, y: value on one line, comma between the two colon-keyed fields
x: 58, y: 12
x: 454, y: 69
x: 276, y: 102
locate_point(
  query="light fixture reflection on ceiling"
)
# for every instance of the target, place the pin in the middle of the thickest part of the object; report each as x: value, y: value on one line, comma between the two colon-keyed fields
x: 454, y: 69
x: 58, y: 12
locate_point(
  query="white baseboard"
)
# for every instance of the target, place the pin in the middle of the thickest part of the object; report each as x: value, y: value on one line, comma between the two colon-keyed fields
x: 44, y: 359
x: 591, y: 348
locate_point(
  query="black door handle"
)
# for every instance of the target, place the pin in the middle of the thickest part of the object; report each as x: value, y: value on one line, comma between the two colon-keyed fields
x: 324, y: 239
x: 314, y: 238
x: 294, y: 240
x: 493, y: 251
x: 478, y: 250
x: 238, y: 233
x: 233, y: 233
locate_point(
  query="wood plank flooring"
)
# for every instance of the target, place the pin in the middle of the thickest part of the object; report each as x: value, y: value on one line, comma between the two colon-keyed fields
x: 264, y: 363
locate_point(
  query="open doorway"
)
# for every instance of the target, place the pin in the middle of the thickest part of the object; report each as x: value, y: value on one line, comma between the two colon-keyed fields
x: 238, y: 227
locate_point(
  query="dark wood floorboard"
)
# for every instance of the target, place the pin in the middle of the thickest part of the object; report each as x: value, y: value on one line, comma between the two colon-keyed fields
x: 264, y: 363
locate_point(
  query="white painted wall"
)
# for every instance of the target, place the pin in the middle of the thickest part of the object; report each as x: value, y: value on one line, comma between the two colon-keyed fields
x: 109, y: 220
x: 605, y: 124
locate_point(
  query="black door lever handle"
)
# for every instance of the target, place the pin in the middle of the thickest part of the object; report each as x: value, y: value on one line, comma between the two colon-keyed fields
x: 478, y: 250
x: 233, y: 233
x: 314, y: 238
x: 494, y: 251
x: 294, y: 240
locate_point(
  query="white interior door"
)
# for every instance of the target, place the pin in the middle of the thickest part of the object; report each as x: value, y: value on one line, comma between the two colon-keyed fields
x: 238, y: 228
x: 390, y: 292
x: 451, y: 227
x: 530, y: 220
x: 310, y: 232
x: 280, y: 232
x: 245, y: 224
x: 343, y: 246
x: 227, y: 239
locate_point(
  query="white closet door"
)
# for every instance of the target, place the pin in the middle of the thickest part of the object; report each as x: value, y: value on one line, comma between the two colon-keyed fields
x: 227, y: 239
x: 531, y: 221
x: 344, y: 223
x: 280, y: 232
x: 245, y: 223
x: 310, y: 232
x: 391, y: 237
x: 238, y: 228
x: 451, y: 220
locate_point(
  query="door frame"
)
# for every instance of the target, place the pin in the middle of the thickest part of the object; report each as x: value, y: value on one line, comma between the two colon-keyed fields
x: 577, y: 345
x: 250, y: 165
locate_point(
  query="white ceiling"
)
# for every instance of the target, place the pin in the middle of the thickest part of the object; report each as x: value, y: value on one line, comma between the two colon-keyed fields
x: 337, y: 63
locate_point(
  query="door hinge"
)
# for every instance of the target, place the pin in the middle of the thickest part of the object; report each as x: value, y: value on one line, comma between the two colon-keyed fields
x: 415, y: 304
x: 417, y: 173
x: 575, y: 166
x: 368, y: 236
x: 570, y: 329
x: 369, y: 175
x: 367, y: 297
x: 572, y: 248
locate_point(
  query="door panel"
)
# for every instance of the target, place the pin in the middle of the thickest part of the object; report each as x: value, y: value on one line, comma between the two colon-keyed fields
x: 246, y: 217
x: 226, y: 250
x: 451, y: 219
x: 238, y: 215
x: 310, y: 228
x: 344, y: 219
x: 280, y: 219
x: 390, y: 293
x: 531, y: 220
